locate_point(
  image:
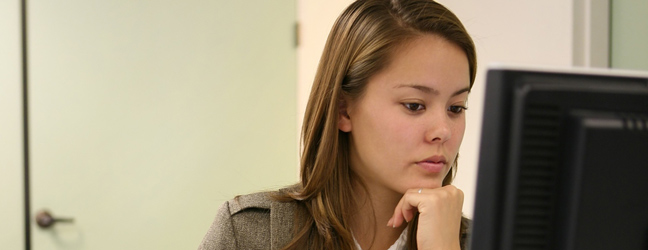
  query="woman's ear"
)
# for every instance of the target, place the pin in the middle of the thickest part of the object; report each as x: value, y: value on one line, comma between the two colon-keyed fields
x: 344, y: 120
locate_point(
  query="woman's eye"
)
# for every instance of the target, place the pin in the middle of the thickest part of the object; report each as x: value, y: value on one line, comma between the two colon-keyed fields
x: 457, y: 109
x: 414, y: 106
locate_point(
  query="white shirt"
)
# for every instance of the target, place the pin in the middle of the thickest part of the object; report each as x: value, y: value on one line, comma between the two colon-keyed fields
x: 400, y: 243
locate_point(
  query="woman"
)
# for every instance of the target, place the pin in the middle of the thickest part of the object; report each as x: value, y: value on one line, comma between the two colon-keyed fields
x: 381, y: 137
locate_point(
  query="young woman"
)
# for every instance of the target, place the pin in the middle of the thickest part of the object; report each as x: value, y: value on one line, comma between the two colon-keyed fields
x: 381, y: 136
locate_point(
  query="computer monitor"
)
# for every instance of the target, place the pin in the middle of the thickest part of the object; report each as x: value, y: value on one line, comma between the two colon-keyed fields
x: 563, y: 162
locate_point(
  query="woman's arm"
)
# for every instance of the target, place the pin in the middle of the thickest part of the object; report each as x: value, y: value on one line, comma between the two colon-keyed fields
x: 439, y: 219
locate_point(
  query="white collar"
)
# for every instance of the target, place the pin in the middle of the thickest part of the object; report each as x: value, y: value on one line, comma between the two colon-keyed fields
x: 400, y: 243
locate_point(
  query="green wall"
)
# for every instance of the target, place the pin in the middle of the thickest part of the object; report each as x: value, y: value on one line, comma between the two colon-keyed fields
x: 629, y: 34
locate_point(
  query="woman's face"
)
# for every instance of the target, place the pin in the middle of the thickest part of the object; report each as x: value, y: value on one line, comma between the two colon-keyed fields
x: 406, y: 128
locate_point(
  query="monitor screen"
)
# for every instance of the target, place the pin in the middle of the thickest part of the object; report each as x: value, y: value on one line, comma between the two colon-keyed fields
x: 563, y: 161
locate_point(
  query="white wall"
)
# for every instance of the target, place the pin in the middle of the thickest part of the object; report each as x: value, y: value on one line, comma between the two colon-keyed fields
x: 315, y: 20
x: 11, y: 199
x: 520, y: 32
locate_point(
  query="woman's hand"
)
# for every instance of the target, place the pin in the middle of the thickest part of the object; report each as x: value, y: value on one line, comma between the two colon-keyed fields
x: 439, y: 216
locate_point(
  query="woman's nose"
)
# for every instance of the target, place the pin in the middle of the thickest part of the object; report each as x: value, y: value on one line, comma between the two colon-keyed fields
x: 438, y: 128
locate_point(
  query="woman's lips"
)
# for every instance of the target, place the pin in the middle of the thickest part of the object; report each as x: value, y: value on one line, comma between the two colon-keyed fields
x: 434, y: 164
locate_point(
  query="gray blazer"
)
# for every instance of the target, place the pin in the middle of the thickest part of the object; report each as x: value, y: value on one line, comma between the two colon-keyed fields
x: 255, y: 221
x: 252, y: 221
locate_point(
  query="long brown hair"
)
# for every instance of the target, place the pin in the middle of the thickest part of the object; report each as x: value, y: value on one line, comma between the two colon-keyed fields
x: 359, y: 45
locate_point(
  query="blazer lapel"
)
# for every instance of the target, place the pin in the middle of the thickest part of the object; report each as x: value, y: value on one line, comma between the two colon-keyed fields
x: 282, y: 216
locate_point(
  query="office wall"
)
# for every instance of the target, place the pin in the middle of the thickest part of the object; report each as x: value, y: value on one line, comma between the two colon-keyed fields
x: 520, y: 32
x: 524, y: 32
x: 11, y: 202
x: 629, y: 35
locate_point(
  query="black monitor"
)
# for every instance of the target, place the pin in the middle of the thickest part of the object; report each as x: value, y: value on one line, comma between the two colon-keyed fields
x: 563, y: 161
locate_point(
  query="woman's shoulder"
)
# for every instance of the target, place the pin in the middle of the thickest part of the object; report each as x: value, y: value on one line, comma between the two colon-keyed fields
x: 258, y: 202
x: 250, y: 221
x: 254, y: 202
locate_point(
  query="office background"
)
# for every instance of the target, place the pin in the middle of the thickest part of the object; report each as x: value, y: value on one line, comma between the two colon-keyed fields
x: 195, y: 156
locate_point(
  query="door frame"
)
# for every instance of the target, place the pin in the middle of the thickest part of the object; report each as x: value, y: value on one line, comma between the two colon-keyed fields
x: 591, y: 33
x: 25, y: 120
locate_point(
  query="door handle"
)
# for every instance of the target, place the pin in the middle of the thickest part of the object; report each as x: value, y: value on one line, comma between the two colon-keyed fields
x: 44, y: 219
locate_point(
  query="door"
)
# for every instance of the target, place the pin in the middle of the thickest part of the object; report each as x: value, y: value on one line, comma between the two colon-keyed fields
x: 146, y: 115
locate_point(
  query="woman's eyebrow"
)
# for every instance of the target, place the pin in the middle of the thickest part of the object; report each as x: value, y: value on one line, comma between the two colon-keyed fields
x: 461, y: 91
x: 422, y: 88
x: 428, y: 90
